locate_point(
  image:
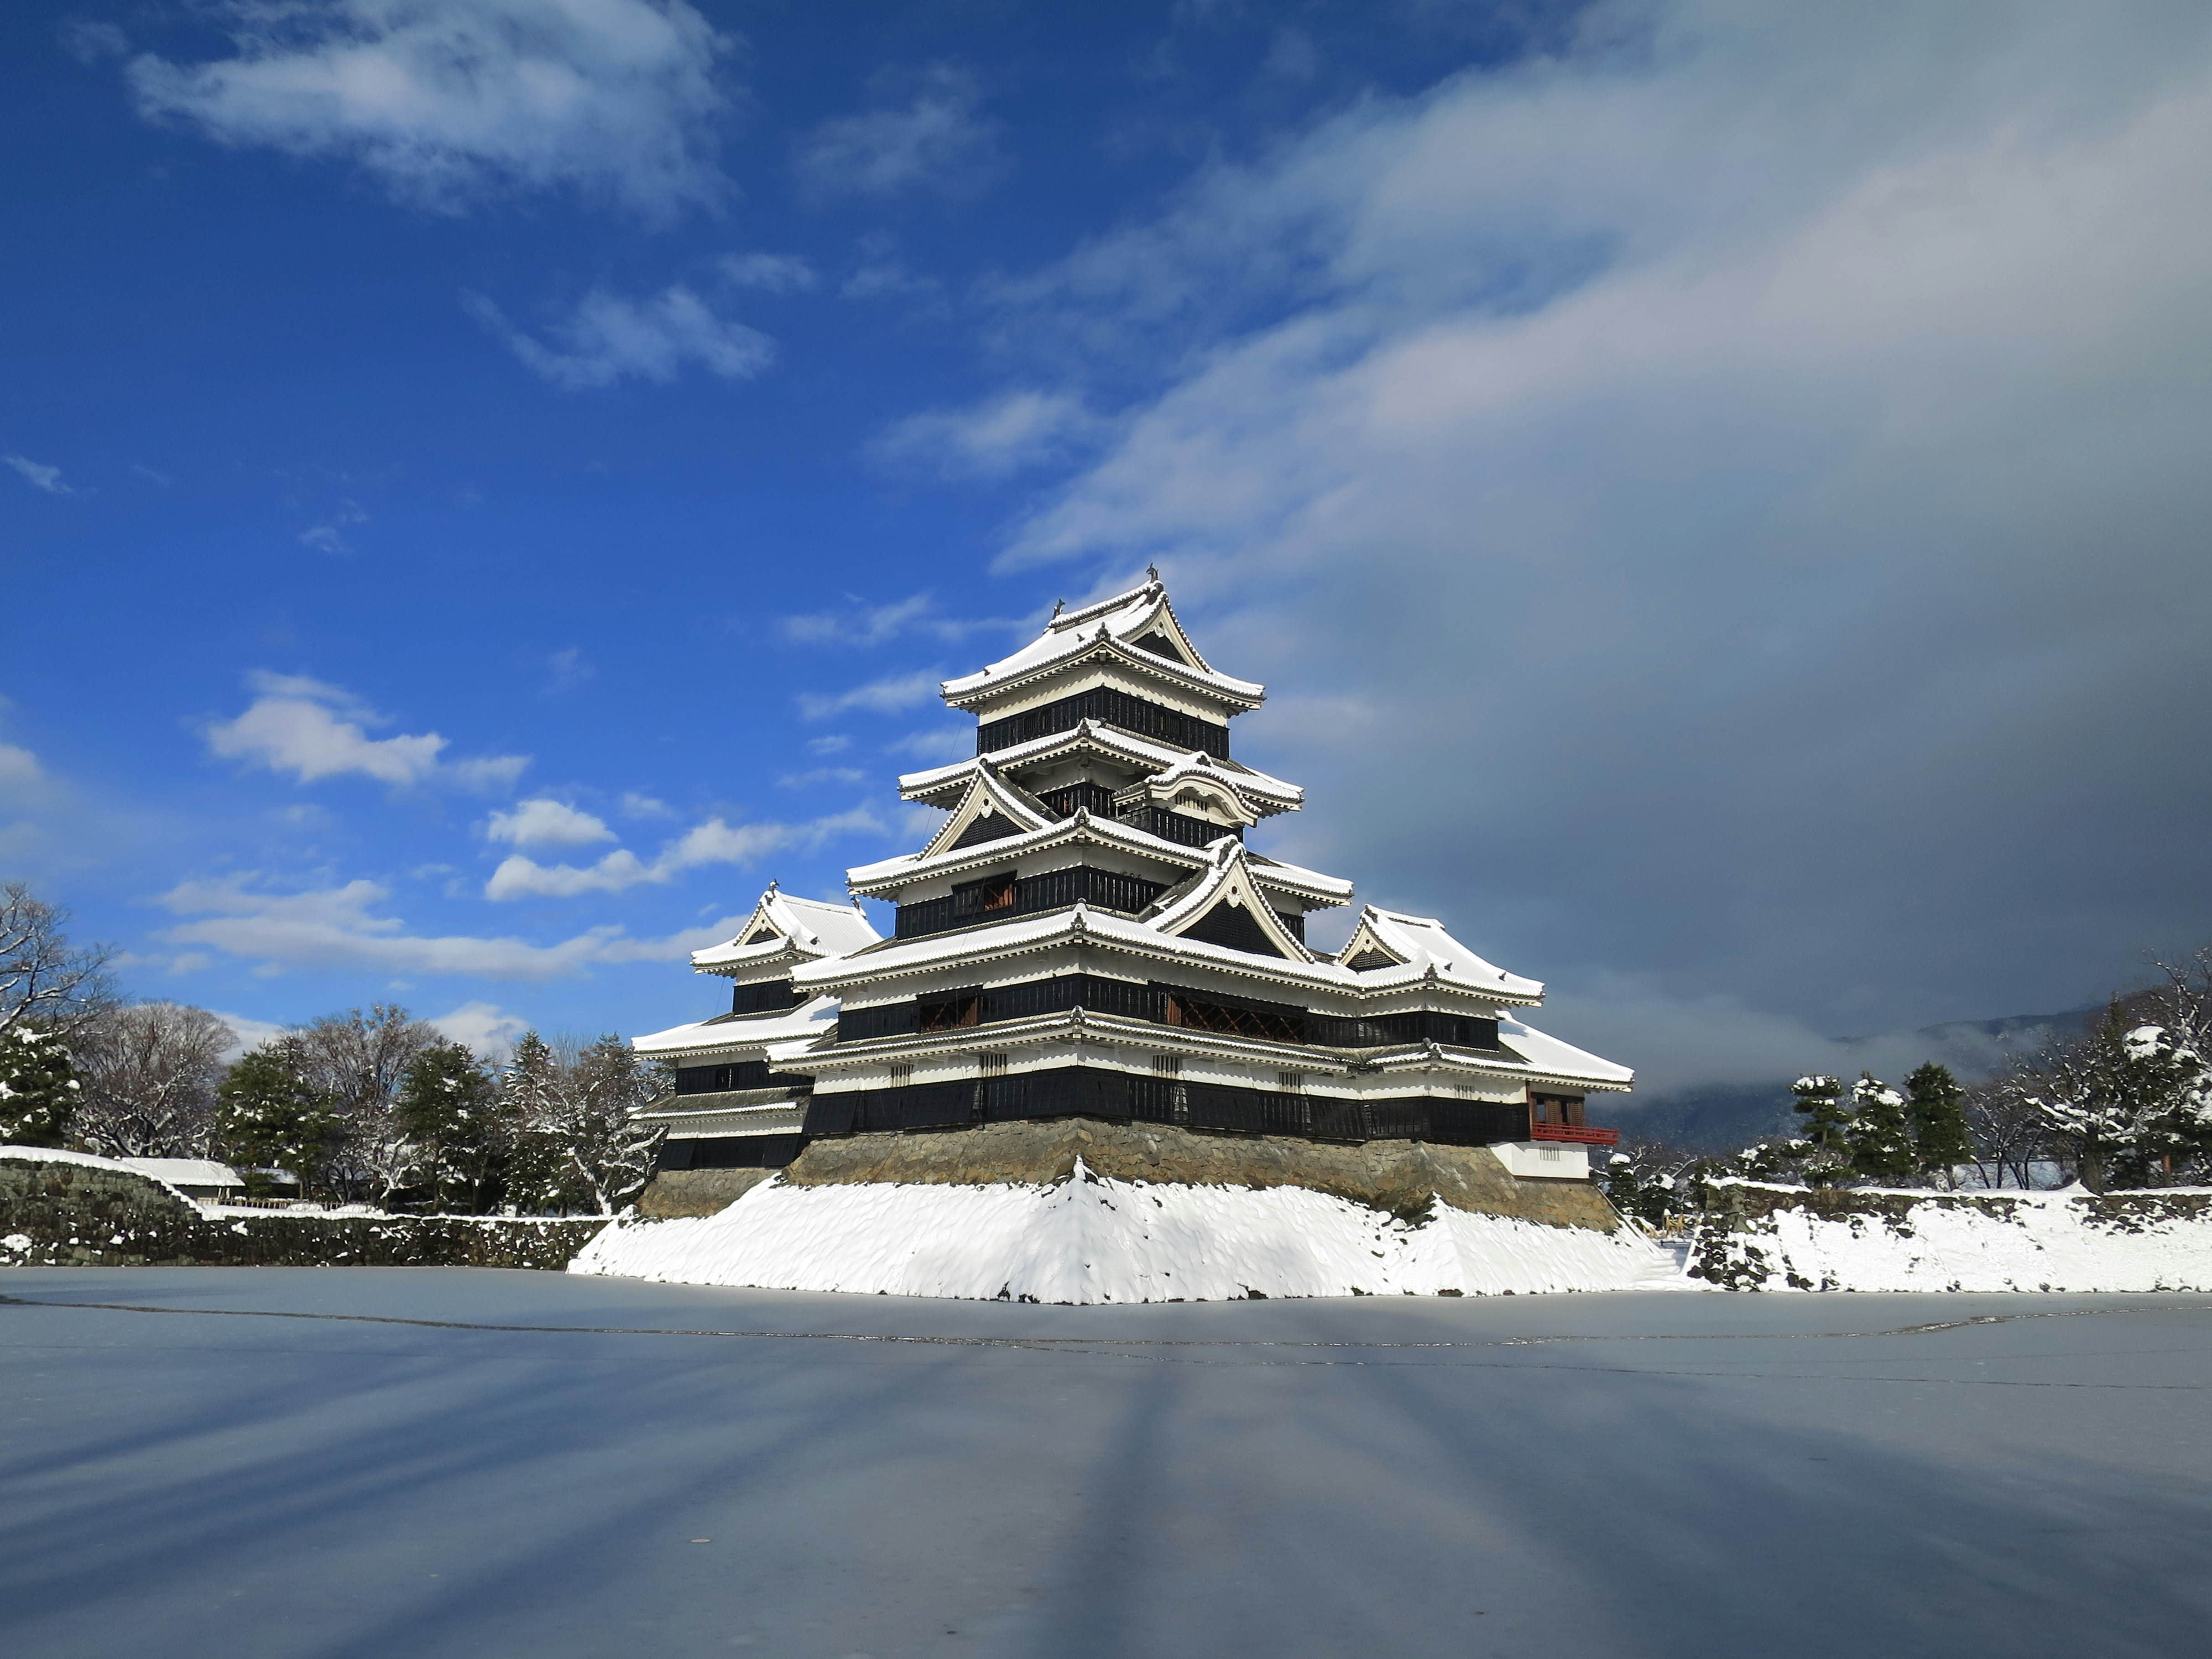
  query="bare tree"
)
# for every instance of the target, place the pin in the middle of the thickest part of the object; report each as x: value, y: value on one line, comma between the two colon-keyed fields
x: 149, y: 1071
x: 44, y: 980
x: 359, y: 1061
x: 2007, y: 1126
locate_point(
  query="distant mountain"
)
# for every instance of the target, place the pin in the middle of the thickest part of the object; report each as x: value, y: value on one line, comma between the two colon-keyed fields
x: 1726, y: 1117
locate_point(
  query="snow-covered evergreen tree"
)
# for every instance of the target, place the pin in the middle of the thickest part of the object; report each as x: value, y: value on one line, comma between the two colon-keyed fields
x: 1881, y: 1132
x: 1827, y: 1128
x: 38, y: 1087
x: 577, y: 1148
x: 456, y: 1132
x: 2133, y: 1103
x: 1936, y: 1103
x: 271, y: 1114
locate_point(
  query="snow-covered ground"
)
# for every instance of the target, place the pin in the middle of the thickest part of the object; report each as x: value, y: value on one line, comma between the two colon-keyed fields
x: 1092, y: 1240
x: 2058, y: 1241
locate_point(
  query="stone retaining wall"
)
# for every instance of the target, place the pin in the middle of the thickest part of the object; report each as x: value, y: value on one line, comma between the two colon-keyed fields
x: 1755, y: 1236
x: 62, y: 1215
x: 1398, y: 1177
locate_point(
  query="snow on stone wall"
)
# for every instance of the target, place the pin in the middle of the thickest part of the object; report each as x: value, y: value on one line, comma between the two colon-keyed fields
x: 1773, y: 1239
x: 1094, y: 1240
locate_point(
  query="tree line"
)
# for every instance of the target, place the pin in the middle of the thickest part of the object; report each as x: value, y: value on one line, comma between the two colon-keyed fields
x: 2126, y: 1103
x: 368, y: 1106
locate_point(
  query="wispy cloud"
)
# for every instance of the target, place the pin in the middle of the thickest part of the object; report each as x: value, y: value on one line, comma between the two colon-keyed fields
x: 932, y: 139
x: 328, y: 537
x: 570, y: 668
x: 822, y: 774
x: 944, y: 744
x: 711, y: 842
x: 886, y: 279
x: 878, y: 624
x: 883, y: 697
x: 38, y: 474
x: 450, y: 102
x: 608, y: 338
x: 544, y: 823
x: 774, y: 273
x: 1002, y: 434
x: 339, y: 927
x: 314, y: 730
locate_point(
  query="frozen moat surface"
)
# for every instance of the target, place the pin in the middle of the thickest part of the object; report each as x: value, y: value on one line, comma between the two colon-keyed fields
x: 1632, y: 1474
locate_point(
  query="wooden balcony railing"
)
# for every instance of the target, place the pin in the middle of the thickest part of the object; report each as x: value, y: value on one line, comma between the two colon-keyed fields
x: 1575, y: 1133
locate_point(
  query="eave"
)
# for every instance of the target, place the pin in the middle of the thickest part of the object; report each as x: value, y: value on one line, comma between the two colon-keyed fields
x: 1237, y: 696
x: 891, y: 876
x: 899, y: 959
x: 1136, y: 753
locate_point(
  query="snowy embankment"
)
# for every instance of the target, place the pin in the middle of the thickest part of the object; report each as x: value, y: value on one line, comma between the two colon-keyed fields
x: 1092, y: 1240
x: 1779, y: 1238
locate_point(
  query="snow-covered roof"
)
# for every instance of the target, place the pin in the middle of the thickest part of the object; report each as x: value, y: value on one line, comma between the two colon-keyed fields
x: 1228, y: 879
x: 185, y: 1171
x: 1050, y: 929
x: 1004, y: 805
x: 1145, y: 754
x: 90, y: 1160
x: 888, y: 876
x: 1548, y: 1054
x: 808, y: 927
x: 1419, y: 943
x: 810, y: 1019
x: 1114, y: 625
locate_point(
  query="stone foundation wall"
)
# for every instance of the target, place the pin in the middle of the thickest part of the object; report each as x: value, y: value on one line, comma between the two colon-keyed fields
x: 1753, y: 1235
x: 1400, y: 1176
x: 696, y: 1192
x: 62, y: 1215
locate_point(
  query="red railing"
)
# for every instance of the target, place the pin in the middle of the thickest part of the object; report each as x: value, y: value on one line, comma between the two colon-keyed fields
x: 1575, y: 1133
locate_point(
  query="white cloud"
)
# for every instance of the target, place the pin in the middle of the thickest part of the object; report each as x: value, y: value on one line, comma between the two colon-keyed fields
x: 489, y: 1031
x: 711, y: 842
x: 1738, y: 464
x: 328, y: 537
x: 338, y: 928
x: 449, y: 101
x: 315, y: 731
x: 935, y: 142
x: 609, y: 338
x: 19, y: 768
x: 879, y: 623
x: 635, y: 805
x: 883, y: 697
x: 248, y: 1033
x: 1002, y: 434
x: 775, y: 273
x: 821, y: 774
x: 834, y: 742
x: 39, y: 475
x: 543, y: 822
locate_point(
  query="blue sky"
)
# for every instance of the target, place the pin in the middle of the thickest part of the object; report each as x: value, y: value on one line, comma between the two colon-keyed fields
x: 1718, y: 493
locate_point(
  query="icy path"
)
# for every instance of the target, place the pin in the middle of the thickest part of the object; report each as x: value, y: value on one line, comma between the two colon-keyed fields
x: 1090, y: 1240
x: 1634, y: 1475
